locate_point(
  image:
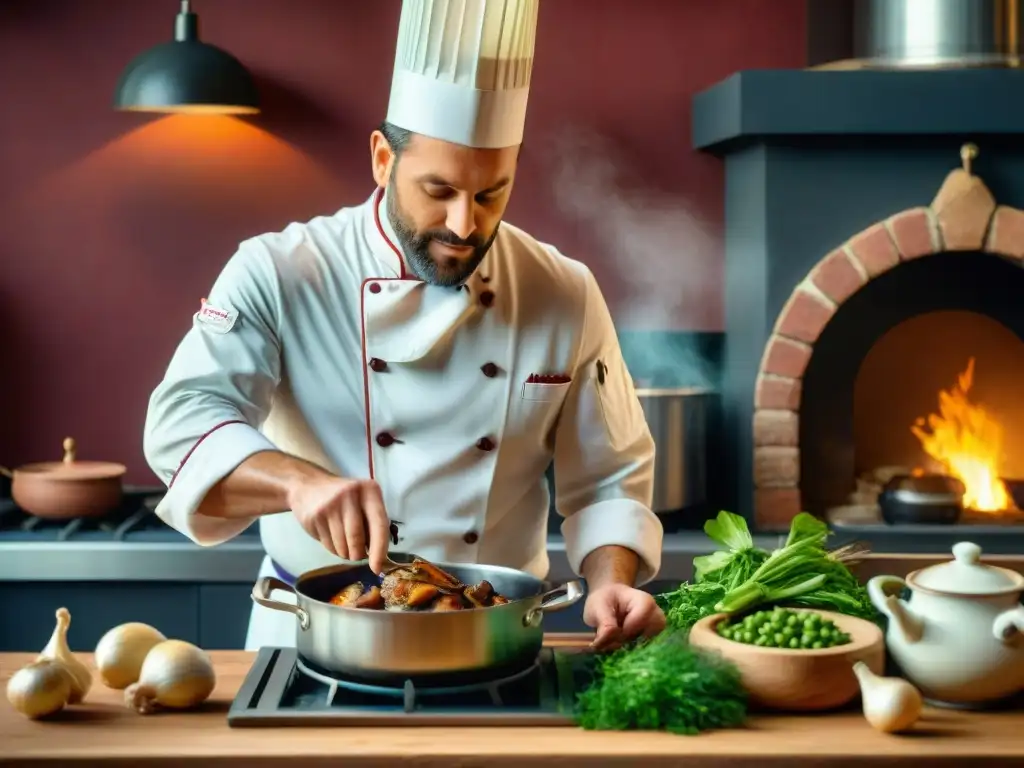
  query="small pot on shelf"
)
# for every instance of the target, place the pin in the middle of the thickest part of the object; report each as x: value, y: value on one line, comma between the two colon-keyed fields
x: 922, y: 500
x: 66, y: 489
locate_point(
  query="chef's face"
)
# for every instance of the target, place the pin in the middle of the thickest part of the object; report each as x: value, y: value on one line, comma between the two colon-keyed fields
x: 445, y: 202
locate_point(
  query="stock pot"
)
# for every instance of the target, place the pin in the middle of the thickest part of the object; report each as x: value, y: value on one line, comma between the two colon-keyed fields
x: 679, y: 421
x: 376, y: 645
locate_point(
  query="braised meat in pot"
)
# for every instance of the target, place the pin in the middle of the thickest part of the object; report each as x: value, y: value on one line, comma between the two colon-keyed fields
x: 419, y: 586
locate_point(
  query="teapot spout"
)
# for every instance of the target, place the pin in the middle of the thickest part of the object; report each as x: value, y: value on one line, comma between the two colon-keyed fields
x: 908, y: 624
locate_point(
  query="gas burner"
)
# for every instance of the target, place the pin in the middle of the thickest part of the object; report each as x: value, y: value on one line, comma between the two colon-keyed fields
x: 410, y: 693
x: 282, y: 690
x: 135, y: 513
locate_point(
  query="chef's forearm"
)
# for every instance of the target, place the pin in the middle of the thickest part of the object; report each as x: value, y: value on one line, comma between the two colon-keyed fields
x: 260, y: 485
x: 610, y: 565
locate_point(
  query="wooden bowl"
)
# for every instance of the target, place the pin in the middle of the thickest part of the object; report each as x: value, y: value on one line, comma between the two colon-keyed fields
x: 799, y: 680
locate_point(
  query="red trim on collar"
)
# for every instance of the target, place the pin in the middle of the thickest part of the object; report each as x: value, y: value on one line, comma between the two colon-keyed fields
x: 376, y: 220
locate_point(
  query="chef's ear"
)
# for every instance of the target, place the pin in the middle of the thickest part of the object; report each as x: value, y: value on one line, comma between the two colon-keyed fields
x: 382, y: 158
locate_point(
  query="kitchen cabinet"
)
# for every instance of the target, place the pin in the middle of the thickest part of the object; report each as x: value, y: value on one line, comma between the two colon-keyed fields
x: 29, y: 607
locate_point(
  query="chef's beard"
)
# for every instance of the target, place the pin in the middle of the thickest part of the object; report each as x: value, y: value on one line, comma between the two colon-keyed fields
x: 416, y: 247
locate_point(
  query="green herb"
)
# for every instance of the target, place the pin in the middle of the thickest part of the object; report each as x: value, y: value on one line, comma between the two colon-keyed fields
x: 663, y: 684
x: 801, y: 572
x: 690, y: 603
x: 741, y: 576
x: 783, y: 628
x: 740, y: 558
x: 714, y: 574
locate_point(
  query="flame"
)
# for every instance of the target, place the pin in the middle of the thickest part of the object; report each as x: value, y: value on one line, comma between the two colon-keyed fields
x: 968, y: 442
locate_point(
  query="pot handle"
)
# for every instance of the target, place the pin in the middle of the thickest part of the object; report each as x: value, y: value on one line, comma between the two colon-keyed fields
x: 556, y: 599
x: 881, y: 589
x: 1009, y: 625
x: 261, y: 595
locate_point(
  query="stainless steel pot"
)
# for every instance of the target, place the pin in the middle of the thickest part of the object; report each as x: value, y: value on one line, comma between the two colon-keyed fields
x: 678, y: 420
x: 937, y: 33
x: 378, y: 645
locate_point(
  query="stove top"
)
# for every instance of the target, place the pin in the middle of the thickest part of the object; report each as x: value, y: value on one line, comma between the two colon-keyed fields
x: 281, y: 690
x: 134, y: 520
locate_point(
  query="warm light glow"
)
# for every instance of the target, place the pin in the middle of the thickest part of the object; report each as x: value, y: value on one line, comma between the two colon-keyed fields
x: 968, y: 442
x: 194, y: 109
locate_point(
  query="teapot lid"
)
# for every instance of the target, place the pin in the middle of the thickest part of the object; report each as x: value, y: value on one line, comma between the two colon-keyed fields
x: 965, y: 574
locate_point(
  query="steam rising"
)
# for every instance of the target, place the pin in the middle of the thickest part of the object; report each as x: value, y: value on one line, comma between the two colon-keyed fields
x: 666, y: 260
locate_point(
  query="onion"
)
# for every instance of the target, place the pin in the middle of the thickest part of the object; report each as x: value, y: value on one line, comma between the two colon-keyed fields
x: 40, y: 688
x: 57, y: 650
x: 175, y: 675
x: 122, y: 650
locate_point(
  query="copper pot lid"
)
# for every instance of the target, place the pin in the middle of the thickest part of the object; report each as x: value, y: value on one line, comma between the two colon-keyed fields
x: 69, y: 468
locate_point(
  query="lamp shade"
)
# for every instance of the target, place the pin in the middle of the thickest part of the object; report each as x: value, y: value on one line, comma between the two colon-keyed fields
x: 187, y: 75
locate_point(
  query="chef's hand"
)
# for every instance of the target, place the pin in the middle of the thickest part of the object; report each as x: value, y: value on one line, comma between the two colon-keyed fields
x: 346, y: 516
x: 621, y: 613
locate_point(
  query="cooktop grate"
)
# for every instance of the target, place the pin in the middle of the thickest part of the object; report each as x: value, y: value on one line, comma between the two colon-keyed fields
x: 281, y: 690
x: 134, y: 514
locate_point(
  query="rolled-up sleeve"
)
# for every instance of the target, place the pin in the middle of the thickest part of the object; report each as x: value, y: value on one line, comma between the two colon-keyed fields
x: 604, y: 452
x: 204, y: 417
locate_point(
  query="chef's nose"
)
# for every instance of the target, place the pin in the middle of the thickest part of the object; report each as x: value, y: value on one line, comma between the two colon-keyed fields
x: 461, y: 218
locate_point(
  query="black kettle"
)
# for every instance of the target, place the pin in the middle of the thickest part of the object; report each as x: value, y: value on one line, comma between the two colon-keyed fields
x: 922, y: 500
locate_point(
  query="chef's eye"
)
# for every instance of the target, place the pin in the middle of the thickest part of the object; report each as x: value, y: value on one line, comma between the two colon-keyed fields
x: 438, y: 192
x: 488, y: 199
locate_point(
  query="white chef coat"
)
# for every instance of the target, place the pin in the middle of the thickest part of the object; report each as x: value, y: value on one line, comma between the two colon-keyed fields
x: 315, y: 341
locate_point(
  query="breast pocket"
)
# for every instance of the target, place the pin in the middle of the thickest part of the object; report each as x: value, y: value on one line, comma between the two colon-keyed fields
x: 534, y: 409
x: 545, y: 392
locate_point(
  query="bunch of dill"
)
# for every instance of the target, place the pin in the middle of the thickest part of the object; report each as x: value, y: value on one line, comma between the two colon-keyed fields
x: 663, y: 684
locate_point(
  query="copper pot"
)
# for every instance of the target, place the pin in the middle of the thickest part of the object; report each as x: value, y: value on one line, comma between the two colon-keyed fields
x: 61, y: 490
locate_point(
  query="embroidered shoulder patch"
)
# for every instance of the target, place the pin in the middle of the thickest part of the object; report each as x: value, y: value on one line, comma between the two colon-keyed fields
x: 216, y: 319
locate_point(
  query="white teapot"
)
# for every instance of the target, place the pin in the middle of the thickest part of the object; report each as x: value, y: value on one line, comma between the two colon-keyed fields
x: 960, y: 637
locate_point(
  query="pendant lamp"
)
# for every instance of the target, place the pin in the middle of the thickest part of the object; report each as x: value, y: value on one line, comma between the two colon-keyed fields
x: 187, y: 75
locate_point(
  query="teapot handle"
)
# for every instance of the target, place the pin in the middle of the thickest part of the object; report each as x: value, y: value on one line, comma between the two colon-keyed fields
x: 1009, y: 625
x: 881, y: 588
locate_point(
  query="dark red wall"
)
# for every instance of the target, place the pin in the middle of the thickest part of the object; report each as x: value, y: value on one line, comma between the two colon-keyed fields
x: 113, y: 226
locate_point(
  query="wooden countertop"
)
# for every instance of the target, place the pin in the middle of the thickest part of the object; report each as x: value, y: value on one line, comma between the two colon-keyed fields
x: 103, y: 731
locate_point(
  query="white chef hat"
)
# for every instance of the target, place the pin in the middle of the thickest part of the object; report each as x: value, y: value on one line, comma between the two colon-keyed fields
x: 462, y: 70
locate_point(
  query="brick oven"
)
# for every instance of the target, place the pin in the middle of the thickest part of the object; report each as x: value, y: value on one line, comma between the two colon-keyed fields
x: 861, y: 208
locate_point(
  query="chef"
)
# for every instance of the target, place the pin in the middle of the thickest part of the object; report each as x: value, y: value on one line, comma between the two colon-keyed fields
x: 402, y: 373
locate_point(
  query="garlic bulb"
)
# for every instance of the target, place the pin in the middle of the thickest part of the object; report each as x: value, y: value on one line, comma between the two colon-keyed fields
x: 175, y: 674
x: 40, y: 688
x: 891, y: 704
x: 122, y: 650
x: 57, y: 650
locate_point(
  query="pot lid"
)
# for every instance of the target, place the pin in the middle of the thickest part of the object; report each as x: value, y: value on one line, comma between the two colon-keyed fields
x: 69, y: 468
x: 965, y: 574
